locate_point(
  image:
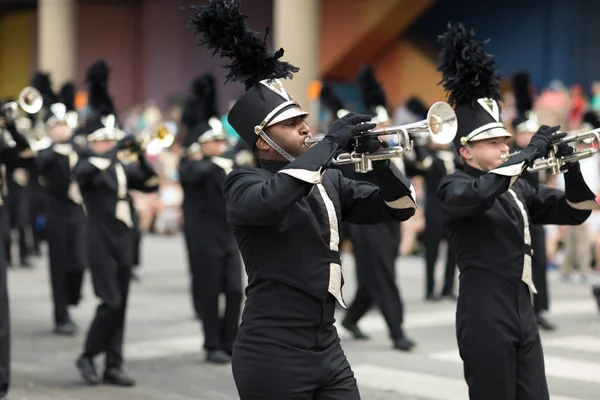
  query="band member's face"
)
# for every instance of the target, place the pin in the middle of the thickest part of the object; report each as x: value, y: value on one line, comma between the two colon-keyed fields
x: 102, y: 146
x: 214, y: 148
x: 486, y: 154
x: 59, y: 133
x: 289, y: 135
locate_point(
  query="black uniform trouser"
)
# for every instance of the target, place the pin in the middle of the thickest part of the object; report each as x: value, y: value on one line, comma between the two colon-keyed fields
x: 18, y: 216
x: 498, y: 339
x: 288, y: 349
x: 375, y: 251
x: 66, y: 247
x: 219, y: 272
x: 192, y: 234
x: 4, y: 320
x: 111, y: 284
x: 434, y: 234
x: 37, y: 215
x: 539, y: 266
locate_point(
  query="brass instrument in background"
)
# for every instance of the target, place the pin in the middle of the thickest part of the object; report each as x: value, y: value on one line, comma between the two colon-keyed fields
x: 30, y: 100
x: 440, y: 126
x: 160, y: 139
x: 555, y: 163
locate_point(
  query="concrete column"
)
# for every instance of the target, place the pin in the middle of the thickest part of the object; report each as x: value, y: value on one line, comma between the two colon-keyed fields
x: 296, y: 29
x: 56, y: 40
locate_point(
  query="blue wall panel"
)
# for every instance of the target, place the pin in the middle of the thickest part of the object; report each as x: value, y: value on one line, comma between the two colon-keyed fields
x: 551, y: 39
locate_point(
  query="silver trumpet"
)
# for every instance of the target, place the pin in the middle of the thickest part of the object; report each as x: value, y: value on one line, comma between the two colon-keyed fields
x: 440, y: 125
x: 30, y: 101
x: 555, y: 163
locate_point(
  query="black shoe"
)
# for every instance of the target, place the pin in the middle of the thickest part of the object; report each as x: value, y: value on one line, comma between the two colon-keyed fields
x: 26, y: 264
x: 66, y: 328
x: 117, y: 377
x: 404, y: 343
x: 432, y: 297
x: 544, y: 324
x: 449, y: 296
x: 596, y: 292
x: 217, y: 357
x: 355, y: 331
x: 87, y: 370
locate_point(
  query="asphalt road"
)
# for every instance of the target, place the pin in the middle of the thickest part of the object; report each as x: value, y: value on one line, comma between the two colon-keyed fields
x: 164, y: 343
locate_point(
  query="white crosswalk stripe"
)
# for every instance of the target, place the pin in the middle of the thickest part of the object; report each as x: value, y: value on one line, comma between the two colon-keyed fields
x: 556, y: 366
x: 411, y: 383
x: 577, y: 343
x: 374, y: 322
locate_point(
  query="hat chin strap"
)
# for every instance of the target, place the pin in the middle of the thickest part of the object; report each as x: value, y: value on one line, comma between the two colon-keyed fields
x: 276, y: 146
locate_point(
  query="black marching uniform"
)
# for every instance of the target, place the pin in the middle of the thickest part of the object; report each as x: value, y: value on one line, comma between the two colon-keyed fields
x: 285, y: 217
x: 376, y: 246
x: 18, y: 205
x: 195, y: 115
x: 487, y: 217
x: 104, y: 183
x: 214, y: 257
x: 8, y: 156
x: 435, y: 166
x: 65, y: 230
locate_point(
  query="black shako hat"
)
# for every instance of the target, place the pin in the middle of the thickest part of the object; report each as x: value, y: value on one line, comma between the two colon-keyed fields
x: 222, y: 27
x: 473, y: 86
x: 526, y: 120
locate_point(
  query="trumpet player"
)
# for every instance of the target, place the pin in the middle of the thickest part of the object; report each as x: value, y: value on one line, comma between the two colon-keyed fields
x: 285, y: 216
x: 487, y: 211
x: 104, y: 183
x: 215, y: 263
x: 65, y: 219
x: 12, y: 143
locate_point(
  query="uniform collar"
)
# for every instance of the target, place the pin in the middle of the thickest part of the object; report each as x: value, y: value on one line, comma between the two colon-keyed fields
x: 273, y: 166
x: 473, y: 171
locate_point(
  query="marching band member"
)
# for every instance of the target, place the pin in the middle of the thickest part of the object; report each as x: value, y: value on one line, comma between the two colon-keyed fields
x: 197, y: 109
x: 285, y: 217
x: 215, y: 260
x: 487, y: 211
x: 524, y: 126
x: 435, y: 162
x: 65, y: 218
x: 8, y: 155
x: 104, y: 183
x: 376, y: 248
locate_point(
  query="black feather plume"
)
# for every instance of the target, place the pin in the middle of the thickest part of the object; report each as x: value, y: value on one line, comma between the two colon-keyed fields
x: 416, y: 106
x: 43, y: 84
x: 330, y: 100
x: 522, y: 92
x: 98, y: 97
x: 591, y: 117
x: 222, y: 28
x: 203, y: 88
x: 67, y: 96
x: 468, y: 72
x: 371, y: 91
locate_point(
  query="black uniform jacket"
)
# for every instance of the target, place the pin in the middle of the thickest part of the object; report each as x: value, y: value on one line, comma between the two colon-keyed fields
x: 55, y: 164
x: 286, y: 217
x: 104, y: 183
x: 15, y: 154
x: 487, y: 216
x: 202, y: 182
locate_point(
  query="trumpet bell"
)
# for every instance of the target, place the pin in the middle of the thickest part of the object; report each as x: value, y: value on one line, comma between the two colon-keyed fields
x: 442, y: 123
x: 160, y: 140
x: 31, y: 100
